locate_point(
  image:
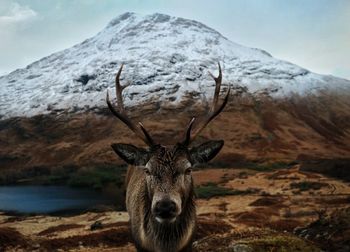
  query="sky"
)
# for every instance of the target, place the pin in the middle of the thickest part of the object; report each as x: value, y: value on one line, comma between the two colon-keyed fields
x: 314, y: 34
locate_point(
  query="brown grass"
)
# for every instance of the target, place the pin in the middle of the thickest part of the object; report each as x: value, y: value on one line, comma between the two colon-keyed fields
x: 253, y: 219
x: 270, y: 121
x: 61, y: 228
x: 298, y: 214
x: 316, y: 122
x: 268, y: 211
x: 254, y: 240
x: 15, y: 219
x: 120, y: 235
x: 280, y: 174
x: 116, y: 224
x: 267, y: 201
x: 223, y: 206
x: 335, y: 201
x: 10, y: 237
x: 308, y: 185
x: 208, y: 227
x: 111, y: 237
x: 284, y: 225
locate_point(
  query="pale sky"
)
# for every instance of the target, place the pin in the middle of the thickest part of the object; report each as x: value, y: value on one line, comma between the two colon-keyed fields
x: 314, y: 34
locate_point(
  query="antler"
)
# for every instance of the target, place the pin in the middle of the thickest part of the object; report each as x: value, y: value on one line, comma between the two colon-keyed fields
x: 213, y: 112
x: 121, y: 115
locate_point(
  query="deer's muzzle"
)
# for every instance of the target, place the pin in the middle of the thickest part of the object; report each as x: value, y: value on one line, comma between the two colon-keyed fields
x: 165, y: 211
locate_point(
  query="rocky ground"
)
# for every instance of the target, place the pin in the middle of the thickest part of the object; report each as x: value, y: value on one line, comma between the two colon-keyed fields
x: 280, y: 210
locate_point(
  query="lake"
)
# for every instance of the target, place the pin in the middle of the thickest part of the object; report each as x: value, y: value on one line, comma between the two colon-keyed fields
x: 56, y: 199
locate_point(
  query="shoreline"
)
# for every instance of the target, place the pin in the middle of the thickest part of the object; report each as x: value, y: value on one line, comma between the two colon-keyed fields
x: 60, y: 213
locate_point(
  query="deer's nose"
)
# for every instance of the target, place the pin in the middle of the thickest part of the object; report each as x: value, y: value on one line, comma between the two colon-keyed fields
x: 165, y: 209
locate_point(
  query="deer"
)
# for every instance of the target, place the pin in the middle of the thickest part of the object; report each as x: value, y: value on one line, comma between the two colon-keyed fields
x: 160, y: 196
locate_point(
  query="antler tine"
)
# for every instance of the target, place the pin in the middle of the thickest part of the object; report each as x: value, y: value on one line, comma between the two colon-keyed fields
x: 188, y: 132
x: 213, y: 112
x: 218, y: 81
x: 211, y: 116
x: 147, y: 135
x: 119, y: 89
x: 121, y: 115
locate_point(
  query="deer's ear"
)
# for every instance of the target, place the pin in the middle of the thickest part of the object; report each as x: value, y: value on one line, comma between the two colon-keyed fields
x: 131, y: 154
x: 206, y: 151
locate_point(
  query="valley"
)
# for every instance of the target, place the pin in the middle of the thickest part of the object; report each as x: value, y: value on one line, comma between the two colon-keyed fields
x: 266, y: 211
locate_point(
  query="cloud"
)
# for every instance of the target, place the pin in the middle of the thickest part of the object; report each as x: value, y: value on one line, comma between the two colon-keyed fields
x: 14, y: 26
x: 17, y: 14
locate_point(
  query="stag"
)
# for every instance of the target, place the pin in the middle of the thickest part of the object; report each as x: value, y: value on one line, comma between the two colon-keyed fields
x: 159, y: 185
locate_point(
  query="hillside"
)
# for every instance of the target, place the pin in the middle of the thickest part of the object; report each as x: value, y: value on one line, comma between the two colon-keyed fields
x: 53, y: 112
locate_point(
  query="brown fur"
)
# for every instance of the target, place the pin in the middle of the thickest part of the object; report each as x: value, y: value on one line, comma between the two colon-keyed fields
x: 159, y: 191
x: 147, y: 232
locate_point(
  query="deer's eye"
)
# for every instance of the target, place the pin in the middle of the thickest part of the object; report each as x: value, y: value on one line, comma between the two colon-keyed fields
x: 147, y: 171
x: 188, y: 171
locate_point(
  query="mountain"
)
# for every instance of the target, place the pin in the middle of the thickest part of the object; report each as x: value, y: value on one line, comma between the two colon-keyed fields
x: 164, y: 56
x: 53, y: 112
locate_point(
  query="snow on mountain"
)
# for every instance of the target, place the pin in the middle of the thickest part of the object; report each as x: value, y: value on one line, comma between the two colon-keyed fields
x: 164, y: 57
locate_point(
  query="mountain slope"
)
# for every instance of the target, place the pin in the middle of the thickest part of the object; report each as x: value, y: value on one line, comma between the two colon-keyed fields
x: 166, y: 57
x: 53, y: 113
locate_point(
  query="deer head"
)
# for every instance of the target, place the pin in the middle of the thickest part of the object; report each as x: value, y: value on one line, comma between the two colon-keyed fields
x: 167, y: 170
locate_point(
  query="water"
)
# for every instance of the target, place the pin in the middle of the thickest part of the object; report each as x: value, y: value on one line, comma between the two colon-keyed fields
x: 52, y: 199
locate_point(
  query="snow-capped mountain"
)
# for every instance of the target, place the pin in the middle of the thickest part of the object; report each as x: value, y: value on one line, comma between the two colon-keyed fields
x: 164, y: 58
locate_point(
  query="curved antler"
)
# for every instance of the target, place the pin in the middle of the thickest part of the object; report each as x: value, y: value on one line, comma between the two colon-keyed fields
x: 121, y: 115
x: 213, y: 112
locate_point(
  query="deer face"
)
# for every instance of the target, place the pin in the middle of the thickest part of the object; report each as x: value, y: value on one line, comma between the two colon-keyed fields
x: 167, y: 173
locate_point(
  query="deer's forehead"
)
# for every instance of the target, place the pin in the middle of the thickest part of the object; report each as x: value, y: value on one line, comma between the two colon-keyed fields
x: 166, y: 158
